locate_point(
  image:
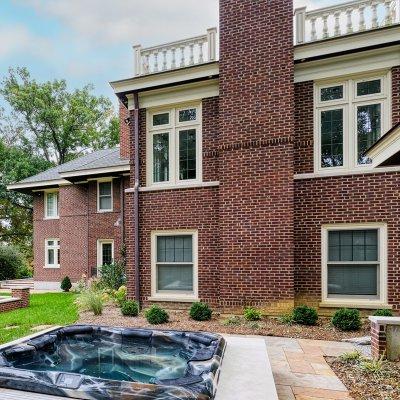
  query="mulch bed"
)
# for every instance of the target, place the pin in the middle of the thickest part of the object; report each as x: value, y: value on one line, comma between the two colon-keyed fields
x: 368, y: 386
x: 179, y: 320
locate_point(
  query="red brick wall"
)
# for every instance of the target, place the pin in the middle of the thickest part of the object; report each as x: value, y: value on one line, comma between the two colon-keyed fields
x: 304, y: 127
x: 79, y: 228
x: 256, y: 152
x: 396, y: 94
x: 124, y: 137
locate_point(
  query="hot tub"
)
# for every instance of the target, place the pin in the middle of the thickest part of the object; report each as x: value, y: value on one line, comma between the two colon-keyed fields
x: 92, y: 362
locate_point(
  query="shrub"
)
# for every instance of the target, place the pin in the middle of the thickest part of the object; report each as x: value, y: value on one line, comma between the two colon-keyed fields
x: 200, y: 312
x: 233, y: 320
x: 66, y: 284
x: 130, y: 308
x: 120, y: 295
x: 252, y: 314
x: 90, y: 300
x: 286, y: 319
x: 155, y: 315
x: 11, y: 261
x: 383, y: 313
x: 347, y: 319
x: 305, y: 315
x: 373, y: 366
x: 24, y: 271
x: 112, y: 275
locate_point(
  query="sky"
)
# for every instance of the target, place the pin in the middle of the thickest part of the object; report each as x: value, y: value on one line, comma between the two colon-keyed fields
x: 90, y: 41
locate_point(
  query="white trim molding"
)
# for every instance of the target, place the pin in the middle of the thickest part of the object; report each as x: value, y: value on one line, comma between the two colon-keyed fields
x: 100, y: 243
x: 174, y: 296
x: 31, y: 185
x: 356, y: 301
x: 56, y: 250
x: 50, y: 192
x: 95, y: 171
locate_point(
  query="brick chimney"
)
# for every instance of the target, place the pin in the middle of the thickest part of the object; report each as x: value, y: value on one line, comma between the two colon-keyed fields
x: 256, y: 158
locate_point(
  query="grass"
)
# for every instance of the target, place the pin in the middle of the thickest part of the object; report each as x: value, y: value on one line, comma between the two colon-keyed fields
x: 44, y: 309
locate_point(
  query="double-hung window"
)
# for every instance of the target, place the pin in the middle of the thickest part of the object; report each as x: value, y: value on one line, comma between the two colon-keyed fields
x: 174, y: 146
x: 350, y: 116
x: 51, y: 205
x: 104, y: 196
x: 354, y: 262
x: 174, y: 264
x: 52, y: 253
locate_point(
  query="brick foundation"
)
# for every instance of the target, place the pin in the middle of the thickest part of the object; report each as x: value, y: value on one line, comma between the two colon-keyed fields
x: 19, y: 299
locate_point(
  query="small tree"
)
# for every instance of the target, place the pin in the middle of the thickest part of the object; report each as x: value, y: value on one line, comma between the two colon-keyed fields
x: 11, y: 261
x: 66, y: 284
x: 113, y: 275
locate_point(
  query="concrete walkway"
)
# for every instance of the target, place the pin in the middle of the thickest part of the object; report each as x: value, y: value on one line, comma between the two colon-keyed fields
x: 301, y: 372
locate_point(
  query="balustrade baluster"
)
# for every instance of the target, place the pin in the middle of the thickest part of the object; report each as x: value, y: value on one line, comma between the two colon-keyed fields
x: 337, y: 23
x: 156, y: 61
x: 349, y: 25
x: 147, y: 65
x: 374, y: 7
x: 173, y: 55
x: 191, y: 59
x: 361, y: 10
x: 325, y: 33
x: 388, y: 16
x: 164, y: 66
x: 182, y: 64
x: 201, y: 55
x: 313, y: 28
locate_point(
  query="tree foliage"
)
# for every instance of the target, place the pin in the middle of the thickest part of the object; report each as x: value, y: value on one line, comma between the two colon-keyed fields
x: 46, y: 125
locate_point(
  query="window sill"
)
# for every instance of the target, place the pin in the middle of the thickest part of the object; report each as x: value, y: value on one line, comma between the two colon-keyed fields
x: 173, y: 299
x: 51, y: 267
x: 104, y: 211
x: 380, y: 170
x: 175, y: 187
x: 355, y: 304
x: 50, y: 218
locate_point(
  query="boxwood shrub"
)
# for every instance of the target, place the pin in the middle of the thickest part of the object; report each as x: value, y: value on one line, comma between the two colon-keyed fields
x: 130, y: 308
x: 383, y: 313
x: 305, y: 315
x: 347, y: 319
x: 200, y: 312
x: 155, y: 315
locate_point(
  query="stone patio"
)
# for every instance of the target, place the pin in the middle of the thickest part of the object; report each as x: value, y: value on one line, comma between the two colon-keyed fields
x: 301, y: 372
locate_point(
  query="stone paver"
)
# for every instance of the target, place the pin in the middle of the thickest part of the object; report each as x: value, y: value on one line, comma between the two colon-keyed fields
x: 301, y: 372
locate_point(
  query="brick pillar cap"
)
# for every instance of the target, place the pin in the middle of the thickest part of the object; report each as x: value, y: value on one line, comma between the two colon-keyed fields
x: 20, y: 288
x: 385, y: 320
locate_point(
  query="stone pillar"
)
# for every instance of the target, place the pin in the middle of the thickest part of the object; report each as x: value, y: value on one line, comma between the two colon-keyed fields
x: 23, y: 294
x: 385, y: 337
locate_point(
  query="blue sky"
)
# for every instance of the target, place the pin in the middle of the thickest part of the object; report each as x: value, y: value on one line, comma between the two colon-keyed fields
x: 90, y: 41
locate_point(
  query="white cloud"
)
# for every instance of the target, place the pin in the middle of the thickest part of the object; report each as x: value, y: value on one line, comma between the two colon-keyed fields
x: 17, y: 39
x: 119, y: 21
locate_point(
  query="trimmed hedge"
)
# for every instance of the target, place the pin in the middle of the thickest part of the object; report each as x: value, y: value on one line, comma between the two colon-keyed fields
x: 305, y: 315
x: 156, y: 315
x: 347, y: 319
x: 130, y: 308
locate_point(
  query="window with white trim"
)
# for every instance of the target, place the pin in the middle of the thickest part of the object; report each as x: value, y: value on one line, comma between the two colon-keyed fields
x: 51, y: 205
x: 52, y: 253
x: 104, y: 196
x: 354, y: 262
x: 350, y: 116
x: 174, y: 146
x: 105, y: 253
x: 174, y: 264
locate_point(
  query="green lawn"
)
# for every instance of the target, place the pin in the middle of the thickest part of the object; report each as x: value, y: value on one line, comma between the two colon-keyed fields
x: 44, y: 309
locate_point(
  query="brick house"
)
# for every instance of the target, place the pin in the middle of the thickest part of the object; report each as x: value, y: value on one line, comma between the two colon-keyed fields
x: 244, y: 179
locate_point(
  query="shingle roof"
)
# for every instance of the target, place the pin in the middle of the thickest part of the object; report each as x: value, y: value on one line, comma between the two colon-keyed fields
x: 98, y: 159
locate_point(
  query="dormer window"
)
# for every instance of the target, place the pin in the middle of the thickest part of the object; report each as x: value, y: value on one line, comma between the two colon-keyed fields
x: 174, y: 146
x: 51, y: 205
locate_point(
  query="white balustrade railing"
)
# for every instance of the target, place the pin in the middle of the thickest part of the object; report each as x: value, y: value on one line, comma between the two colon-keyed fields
x: 179, y: 54
x: 344, y: 19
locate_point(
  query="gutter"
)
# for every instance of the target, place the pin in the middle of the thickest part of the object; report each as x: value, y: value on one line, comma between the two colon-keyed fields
x: 136, y: 196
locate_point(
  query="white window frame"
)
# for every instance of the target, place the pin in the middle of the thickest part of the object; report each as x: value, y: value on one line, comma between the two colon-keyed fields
x: 56, y: 248
x: 173, y: 129
x: 354, y: 301
x: 100, y: 181
x: 349, y: 103
x: 100, y: 243
x: 178, y: 295
x: 46, y: 193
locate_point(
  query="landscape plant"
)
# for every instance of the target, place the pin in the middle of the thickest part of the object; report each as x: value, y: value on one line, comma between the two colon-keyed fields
x: 200, y: 311
x: 112, y: 275
x: 130, y: 308
x: 91, y: 300
x: 305, y: 315
x: 156, y: 315
x: 11, y: 261
x: 347, y: 319
x: 383, y: 313
x: 66, y: 284
x: 252, y: 314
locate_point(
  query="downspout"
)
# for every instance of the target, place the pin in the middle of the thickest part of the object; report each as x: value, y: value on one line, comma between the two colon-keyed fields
x: 136, y: 197
x: 122, y: 205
